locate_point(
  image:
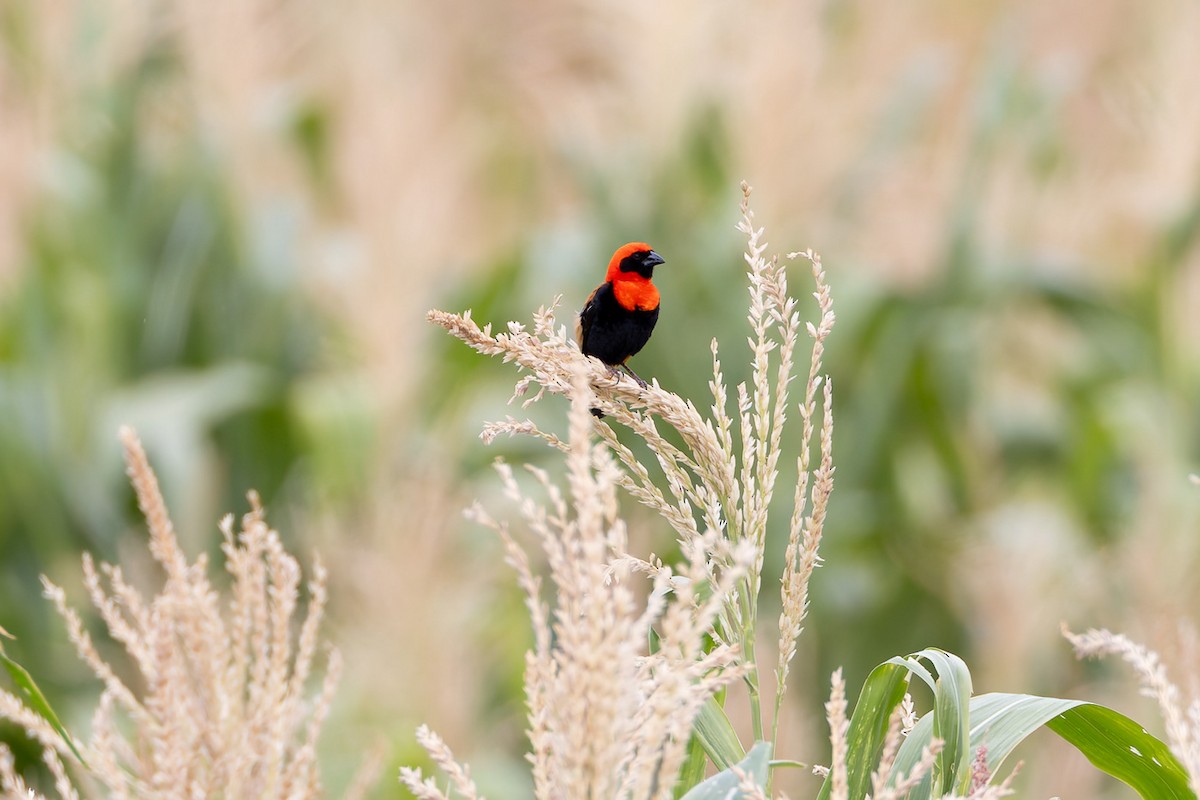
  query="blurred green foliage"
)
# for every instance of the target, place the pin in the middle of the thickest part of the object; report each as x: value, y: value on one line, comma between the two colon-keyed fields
x: 928, y: 440
x: 147, y: 297
x: 930, y: 433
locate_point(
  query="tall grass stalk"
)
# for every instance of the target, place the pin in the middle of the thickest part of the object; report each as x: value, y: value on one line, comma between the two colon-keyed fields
x: 608, y: 717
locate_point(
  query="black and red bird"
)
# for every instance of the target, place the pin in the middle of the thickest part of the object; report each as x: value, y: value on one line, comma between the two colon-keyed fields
x: 619, y: 316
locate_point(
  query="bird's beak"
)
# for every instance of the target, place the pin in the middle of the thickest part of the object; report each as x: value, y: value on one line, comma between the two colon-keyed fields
x: 653, y: 259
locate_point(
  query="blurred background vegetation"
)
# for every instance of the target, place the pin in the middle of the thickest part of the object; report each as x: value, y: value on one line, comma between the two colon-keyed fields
x: 222, y: 222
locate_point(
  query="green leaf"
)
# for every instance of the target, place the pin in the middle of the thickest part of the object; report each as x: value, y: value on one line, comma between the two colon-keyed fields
x: 37, y: 701
x: 716, y: 735
x: 997, y: 722
x: 881, y: 693
x: 692, y: 771
x: 1124, y: 749
x: 723, y: 785
x: 1111, y: 741
x: 951, y: 704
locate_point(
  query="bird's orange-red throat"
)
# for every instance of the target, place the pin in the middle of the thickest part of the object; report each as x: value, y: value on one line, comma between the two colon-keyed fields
x: 633, y: 291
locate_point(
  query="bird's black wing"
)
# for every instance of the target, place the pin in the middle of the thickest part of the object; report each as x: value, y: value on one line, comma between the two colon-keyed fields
x: 587, y: 316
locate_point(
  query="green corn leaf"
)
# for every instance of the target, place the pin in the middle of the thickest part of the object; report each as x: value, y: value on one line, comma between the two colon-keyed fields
x: 881, y: 693
x: 951, y: 700
x: 716, y: 735
x: 723, y: 785
x: 1124, y: 749
x: 997, y: 722
x: 692, y: 771
x: 37, y: 701
x: 1111, y: 741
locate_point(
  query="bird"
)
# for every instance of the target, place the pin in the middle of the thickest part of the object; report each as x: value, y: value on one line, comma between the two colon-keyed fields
x: 619, y: 315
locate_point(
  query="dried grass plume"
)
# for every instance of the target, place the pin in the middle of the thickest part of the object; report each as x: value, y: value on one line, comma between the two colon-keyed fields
x: 222, y: 705
x: 609, y: 717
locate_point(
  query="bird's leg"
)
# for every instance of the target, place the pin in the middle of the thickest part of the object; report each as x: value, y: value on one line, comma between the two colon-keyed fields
x: 634, y: 375
x: 615, y: 374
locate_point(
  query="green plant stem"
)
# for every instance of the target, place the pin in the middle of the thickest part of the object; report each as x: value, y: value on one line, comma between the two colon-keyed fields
x: 775, y: 715
x: 755, y: 704
x: 748, y: 633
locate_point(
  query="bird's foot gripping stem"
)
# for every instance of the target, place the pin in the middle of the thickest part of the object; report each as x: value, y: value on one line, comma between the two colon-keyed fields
x: 615, y: 372
x: 634, y: 375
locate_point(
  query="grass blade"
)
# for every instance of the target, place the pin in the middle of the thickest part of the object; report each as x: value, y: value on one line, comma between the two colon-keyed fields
x: 951, y: 720
x: 881, y: 693
x: 1124, y: 749
x: 692, y: 771
x: 716, y: 735
x: 724, y: 785
x: 37, y: 701
x: 1113, y: 742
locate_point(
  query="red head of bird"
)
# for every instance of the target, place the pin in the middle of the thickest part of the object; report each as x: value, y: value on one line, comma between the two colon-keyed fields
x: 630, y: 271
